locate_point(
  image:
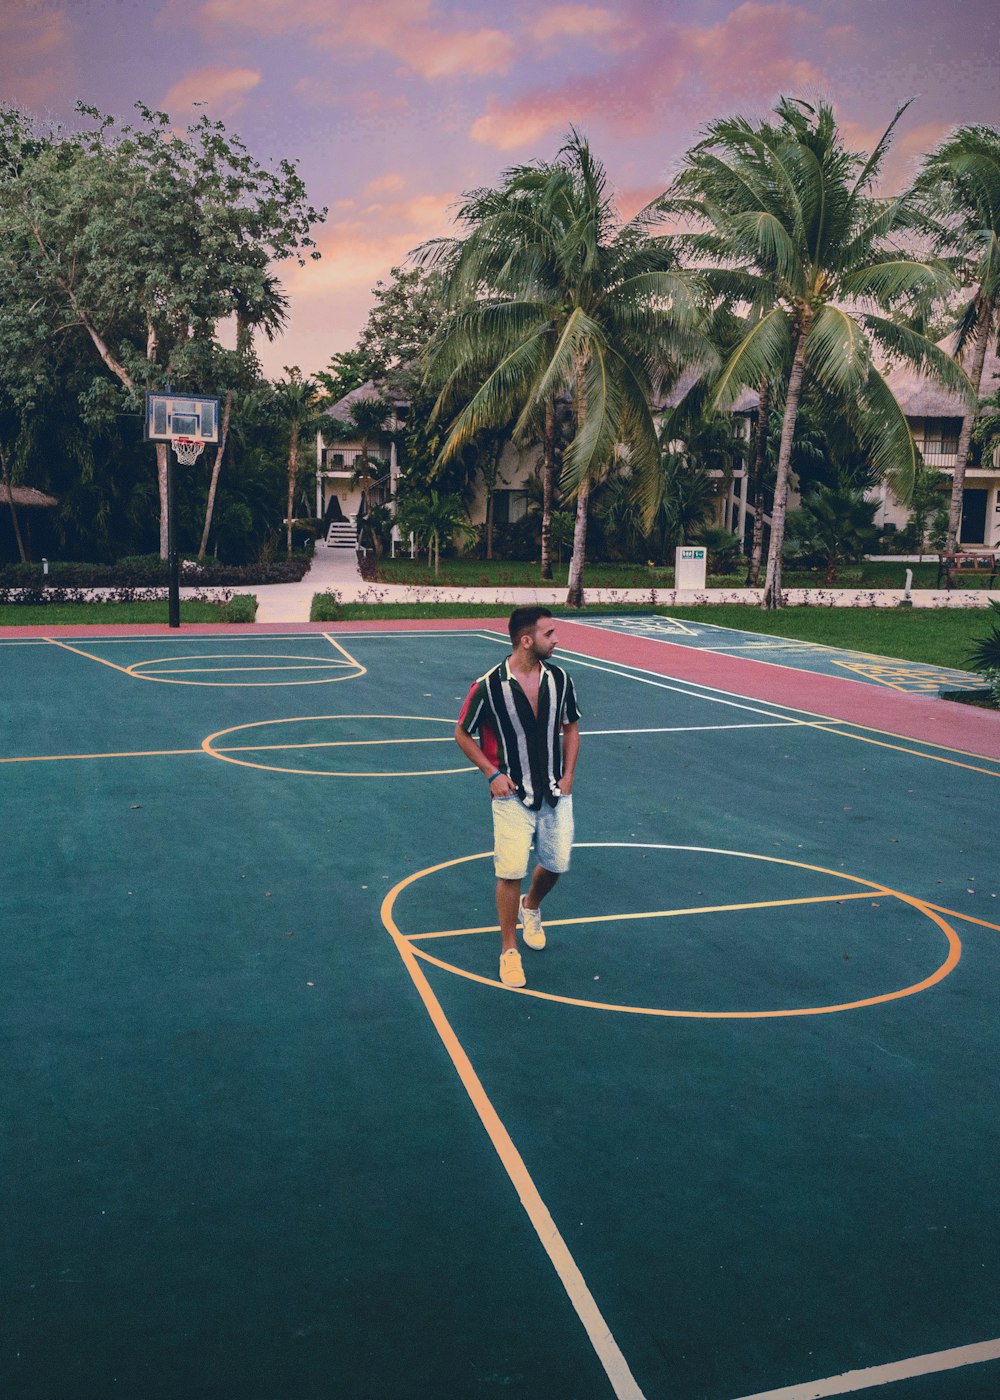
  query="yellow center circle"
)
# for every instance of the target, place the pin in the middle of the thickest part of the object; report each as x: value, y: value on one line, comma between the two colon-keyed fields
x: 408, y: 946
x: 294, y: 669
x: 246, y: 745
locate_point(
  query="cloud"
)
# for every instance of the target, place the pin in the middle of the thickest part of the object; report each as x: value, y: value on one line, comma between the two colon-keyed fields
x: 524, y: 122
x: 35, y: 57
x: 405, y: 29
x: 750, y: 56
x: 222, y: 90
x: 357, y: 251
x: 576, y: 22
x: 389, y: 183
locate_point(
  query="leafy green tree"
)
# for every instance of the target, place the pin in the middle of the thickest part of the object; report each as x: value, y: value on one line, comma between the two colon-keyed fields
x: 141, y: 240
x: 346, y: 371
x: 960, y: 183
x: 786, y: 216
x: 554, y: 297
x: 406, y: 312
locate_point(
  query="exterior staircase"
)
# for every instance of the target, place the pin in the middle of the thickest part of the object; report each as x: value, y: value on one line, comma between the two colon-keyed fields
x: 342, y: 534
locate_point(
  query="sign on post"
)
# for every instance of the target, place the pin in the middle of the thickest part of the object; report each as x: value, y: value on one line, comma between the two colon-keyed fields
x: 690, y: 565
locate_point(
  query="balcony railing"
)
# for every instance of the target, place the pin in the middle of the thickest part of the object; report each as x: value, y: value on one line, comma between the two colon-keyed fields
x: 345, y: 459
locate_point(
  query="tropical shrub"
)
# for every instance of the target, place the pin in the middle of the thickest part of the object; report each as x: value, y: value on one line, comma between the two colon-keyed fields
x: 325, y: 607
x: 984, y: 656
x: 242, y: 607
x: 725, y: 553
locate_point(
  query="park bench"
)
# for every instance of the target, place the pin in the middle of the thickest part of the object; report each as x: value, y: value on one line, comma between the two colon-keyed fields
x: 982, y: 566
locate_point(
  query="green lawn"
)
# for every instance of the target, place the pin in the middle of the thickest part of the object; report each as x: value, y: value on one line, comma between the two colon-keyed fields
x: 940, y: 636
x: 482, y: 573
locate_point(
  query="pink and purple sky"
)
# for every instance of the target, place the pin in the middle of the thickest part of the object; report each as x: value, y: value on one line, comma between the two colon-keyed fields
x: 393, y: 107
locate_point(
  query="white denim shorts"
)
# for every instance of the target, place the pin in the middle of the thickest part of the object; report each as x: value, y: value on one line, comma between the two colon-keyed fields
x: 514, y: 828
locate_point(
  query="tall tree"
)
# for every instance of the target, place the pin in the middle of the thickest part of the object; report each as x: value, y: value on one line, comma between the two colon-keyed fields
x: 142, y: 239
x: 960, y: 183
x: 556, y: 297
x: 787, y: 218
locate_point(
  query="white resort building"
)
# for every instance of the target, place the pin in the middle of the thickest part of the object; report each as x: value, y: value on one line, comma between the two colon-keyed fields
x: 933, y: 412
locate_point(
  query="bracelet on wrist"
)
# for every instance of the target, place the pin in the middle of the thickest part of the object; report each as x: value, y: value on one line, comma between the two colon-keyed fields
x: 493, y: 775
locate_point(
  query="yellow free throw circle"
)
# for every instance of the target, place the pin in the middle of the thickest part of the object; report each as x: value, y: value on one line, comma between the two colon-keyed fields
x: 409, y: 943
x: 268, y: 743
x: 246, y: 669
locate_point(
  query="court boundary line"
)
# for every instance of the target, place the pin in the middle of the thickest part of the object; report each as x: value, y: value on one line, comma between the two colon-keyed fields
x: 930, y: 1363
x: 874, y: 889
x: 567, y: 1270
x: 829, y: 723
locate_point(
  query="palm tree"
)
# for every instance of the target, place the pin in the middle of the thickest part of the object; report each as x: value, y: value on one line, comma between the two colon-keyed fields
x: 295, y: 399
x: 367, y: 415
x: 960, y: 182
x: 788, y: 224
x: 556, y: 298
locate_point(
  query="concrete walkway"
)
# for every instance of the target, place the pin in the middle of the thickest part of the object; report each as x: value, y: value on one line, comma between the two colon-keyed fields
x: 336, y: 571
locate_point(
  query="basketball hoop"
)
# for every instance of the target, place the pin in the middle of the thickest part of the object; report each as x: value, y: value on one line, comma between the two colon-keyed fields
x: 188, y: 450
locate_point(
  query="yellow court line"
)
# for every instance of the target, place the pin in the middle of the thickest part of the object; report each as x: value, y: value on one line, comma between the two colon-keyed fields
x: 331, y: 744
x: 139, y: 753
x: 946, y: 967
x: 344, y: 652
x: 57, y: 642
x: 609, y: 1353
x: 305, y: 664
x: 668, y: 913
x: 849, y: 1382
x: 900, y: 748
x: 967, y: 918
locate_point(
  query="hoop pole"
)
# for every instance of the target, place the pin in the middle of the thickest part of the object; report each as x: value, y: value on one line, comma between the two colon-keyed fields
x: 173, y: 568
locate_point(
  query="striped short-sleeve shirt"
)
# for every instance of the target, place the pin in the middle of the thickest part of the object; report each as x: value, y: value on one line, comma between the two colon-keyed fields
x: 526, y: 748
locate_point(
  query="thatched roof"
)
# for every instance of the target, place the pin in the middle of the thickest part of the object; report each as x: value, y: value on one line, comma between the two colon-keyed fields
x: 920, y: 396
x: 25, y: 496
x: 341, y: 410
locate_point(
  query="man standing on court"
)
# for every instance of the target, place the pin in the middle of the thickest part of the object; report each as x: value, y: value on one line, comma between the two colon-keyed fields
x: 524, y: 712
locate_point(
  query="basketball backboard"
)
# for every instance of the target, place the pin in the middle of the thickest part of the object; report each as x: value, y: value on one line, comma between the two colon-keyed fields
x: 173, y: 416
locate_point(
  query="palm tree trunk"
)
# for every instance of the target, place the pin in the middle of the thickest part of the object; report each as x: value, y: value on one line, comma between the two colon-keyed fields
x: 216, y: 467
x: 772, y: 579
x: 13, y: 508
x: 758, y: 474
x: 548, y: 484
x: 574, y: 598
x: 984, y: 323
x: 293, y: 476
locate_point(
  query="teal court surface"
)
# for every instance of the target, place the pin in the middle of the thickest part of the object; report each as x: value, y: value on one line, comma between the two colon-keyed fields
x: 914, y: 677
x: 272, y: 1127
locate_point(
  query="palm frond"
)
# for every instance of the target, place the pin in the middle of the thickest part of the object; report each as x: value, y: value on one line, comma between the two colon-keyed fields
x: 762, y: 354
x: 919, y: 352
x: 837, y: 354
x: 885, y: 434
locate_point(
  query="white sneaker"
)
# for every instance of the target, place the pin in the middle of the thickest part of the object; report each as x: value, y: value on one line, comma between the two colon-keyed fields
x: 531, y: 926
x: 511, y: 971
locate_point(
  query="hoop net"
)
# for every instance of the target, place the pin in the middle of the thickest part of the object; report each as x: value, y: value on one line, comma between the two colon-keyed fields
x: 187, y: 450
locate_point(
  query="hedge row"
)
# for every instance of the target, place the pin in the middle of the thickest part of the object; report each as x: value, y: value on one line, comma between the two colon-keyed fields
x: 150, y: 571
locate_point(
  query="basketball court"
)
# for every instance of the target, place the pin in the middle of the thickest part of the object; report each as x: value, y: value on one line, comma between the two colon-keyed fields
x: 274, y: 1128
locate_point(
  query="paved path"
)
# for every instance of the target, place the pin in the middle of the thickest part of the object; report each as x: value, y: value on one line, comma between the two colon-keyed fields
x: 336, y: 571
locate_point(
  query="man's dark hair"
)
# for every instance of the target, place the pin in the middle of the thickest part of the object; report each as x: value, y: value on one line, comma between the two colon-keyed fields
x: 525, y: 620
